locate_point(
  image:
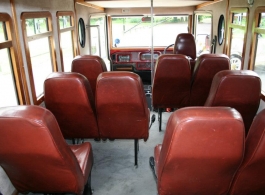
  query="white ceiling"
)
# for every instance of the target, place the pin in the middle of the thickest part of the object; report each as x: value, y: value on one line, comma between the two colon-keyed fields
x: 146, y: 3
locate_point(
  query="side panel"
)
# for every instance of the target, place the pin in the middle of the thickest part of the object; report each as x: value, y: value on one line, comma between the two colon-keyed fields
x: 84, y: 12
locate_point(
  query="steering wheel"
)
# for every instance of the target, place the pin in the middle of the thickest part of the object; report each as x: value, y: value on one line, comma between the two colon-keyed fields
x: 167, y: 48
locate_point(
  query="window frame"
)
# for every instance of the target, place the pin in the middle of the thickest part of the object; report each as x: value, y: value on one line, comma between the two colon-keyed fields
x: 195, y: 26
x: 11, y: 45
x: 255, y: 31
x: 110, y: 30
x: 231, y: 26
x: 73, y: 33
x: 27, y: 39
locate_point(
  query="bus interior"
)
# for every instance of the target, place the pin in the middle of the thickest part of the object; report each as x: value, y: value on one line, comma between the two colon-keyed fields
x: 145, y: 118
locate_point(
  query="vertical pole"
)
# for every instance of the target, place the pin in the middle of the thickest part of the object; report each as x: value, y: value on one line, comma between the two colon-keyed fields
x: 152, y: 46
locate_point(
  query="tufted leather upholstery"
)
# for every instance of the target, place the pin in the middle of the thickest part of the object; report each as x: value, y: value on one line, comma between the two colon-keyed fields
x: 68, y: 96
x: 239, y: 89
x: 89, y: 66
x: 201, y: 151
x: 207, y: 65
x: 171, y: 84
x: 185, y: 44
x: 35, y: 156
x: 250, y: 178
x: 121, y: 106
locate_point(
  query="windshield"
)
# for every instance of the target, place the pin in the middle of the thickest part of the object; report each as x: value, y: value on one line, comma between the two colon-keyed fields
x: 136, y: 31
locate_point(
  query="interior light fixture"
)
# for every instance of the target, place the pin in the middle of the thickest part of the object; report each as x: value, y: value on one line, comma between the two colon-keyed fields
x: 250, y: 2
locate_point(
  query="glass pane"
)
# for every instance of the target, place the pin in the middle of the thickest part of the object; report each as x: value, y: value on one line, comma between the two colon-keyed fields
x: 259, y: 65
x: 2, y: 35
x: 262, y: 21
x: 100, y: 21
x: 237, y: 43
x: 99, y: 38
x: 36, y: 26
x: 41, y: 62
x: 203, y: 33
x: 8, y: 95
x: 94, y: 41
x: 65, y: 21
x: 239, y: 18
x: 67, y: 49
x: 136, y: 31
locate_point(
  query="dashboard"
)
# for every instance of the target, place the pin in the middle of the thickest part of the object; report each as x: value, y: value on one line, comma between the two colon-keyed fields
x: 137, y: 60
x: 133, y: 60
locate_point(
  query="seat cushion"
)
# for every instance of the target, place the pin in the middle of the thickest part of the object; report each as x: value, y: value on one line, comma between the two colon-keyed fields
x: 84, y: 155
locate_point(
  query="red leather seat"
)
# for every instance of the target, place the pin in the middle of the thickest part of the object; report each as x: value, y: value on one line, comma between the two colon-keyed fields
x: 171, y: 83
x: 68, y: 96
x: 122, y: 110
x: 207, y: 65
x: 250, y: 178
x: 239, y: 89
x: 185, y: 44
x: 35, y: 156
x: 201, y: 152
x: 89, y: 66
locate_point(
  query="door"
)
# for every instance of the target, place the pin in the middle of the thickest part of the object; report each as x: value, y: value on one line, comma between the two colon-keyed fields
x: 98, y: 38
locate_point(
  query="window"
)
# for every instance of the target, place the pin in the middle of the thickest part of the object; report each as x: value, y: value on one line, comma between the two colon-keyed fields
x: 98, y: 38
x: 9, y: 83
x: 39, y: 50
x: 237, y: 29
x: 258, y: 49
x: 136, y: 31
x: 203, y: 32
x: 67, y: 37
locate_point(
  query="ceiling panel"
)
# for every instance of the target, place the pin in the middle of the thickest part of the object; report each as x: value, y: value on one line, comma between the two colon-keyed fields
x: 146, y: 3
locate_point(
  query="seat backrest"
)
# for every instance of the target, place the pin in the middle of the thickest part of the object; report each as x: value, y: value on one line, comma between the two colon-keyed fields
x: 34, y: 154
x: 239, y: 89
x: 90, y: 66
x: 171, y: 83
x: 121, y: 105
x: 185, y: 44
x: 201, y: 151
x: 68, y: 96
x: 207, y: 65
x: 250, y: 177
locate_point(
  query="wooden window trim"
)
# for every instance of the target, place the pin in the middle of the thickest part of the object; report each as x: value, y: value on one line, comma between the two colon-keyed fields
x: 72, y: 29
x: 67, y: 29
x: 6, y: 44
x: 17, y: 70
x: 49, y: 34
x: 255, y: 31
x: 231, y: 26
x: 38, y: 36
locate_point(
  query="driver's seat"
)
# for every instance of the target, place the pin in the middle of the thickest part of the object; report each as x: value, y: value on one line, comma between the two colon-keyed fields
x: 185, y: 44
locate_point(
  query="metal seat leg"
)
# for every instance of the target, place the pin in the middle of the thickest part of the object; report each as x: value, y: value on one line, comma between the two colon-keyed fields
x: 136, y: 149
x: 160, y: 117
x: 88, y: 190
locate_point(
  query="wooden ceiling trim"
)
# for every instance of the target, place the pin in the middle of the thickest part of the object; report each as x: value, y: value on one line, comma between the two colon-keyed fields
x: 207, y: 3
x: 82, y: 2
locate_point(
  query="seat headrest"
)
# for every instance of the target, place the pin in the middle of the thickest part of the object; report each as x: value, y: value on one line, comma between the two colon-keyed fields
x: 185, y: 44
